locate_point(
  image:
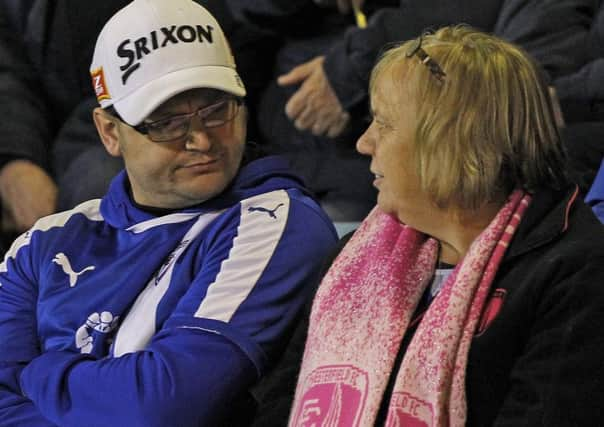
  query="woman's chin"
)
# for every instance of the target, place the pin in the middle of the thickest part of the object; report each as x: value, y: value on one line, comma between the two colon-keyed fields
x: 384, y: 205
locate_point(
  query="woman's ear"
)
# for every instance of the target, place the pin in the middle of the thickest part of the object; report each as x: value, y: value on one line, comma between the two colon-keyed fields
x: 108, y: 128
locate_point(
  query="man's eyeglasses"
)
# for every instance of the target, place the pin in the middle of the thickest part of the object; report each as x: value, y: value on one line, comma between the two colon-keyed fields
x: 416, y: 49
x: 178, y: 126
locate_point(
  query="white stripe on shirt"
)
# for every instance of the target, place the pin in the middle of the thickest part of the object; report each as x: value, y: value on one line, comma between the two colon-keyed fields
x: 139, y: 325
x: 161, y: 220
x: 263, y: 221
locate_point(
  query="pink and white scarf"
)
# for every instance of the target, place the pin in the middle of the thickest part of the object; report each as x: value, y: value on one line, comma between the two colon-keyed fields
x: 362, y: 310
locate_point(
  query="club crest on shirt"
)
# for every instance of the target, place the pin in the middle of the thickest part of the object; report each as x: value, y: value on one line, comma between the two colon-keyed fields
x: 334, y: 396
x: 408, y: 411
x: 98, y: 326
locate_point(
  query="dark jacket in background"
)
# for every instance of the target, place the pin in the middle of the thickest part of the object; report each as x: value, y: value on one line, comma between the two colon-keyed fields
x: 582, y: 92
x: 45, y: 53
x: 581, y: 95
x: 553, y: 31
x: 46, y: 95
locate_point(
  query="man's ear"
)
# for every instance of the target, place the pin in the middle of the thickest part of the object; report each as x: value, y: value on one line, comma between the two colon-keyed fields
x: 107, y: 127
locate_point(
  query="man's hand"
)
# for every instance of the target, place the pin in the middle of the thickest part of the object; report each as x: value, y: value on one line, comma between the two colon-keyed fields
x: 314, y: 107
x: 27, y: 192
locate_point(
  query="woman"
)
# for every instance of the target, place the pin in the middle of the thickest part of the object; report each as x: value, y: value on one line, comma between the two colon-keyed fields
x: 473, y: 294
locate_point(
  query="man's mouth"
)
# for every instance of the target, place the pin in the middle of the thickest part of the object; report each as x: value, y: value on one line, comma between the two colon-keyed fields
x: 201, y: 166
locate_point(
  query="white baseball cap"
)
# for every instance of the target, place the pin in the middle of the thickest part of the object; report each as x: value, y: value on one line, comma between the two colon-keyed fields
x: 151, y: 50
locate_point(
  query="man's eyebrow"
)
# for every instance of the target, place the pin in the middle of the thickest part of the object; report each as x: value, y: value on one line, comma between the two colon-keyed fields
x: 159, y: 115
x: 163, y: 112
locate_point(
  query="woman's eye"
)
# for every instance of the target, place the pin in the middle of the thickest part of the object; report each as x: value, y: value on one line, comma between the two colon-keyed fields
x: 380, y: 125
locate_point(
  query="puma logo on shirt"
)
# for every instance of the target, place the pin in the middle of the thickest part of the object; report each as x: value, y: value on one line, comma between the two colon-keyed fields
x: 62, y: 260
x: 270, y: 212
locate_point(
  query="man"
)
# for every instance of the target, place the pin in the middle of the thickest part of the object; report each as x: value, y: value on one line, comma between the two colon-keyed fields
x: 50, y: 156
x: 164, y: 302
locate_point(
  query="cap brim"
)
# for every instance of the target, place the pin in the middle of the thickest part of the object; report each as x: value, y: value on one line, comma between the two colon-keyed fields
x: 144, y: 100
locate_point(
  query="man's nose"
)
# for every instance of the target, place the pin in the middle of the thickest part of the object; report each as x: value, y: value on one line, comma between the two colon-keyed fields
x: 199, y: 138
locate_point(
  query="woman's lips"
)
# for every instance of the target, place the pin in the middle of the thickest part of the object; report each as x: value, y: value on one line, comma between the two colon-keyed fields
x: 377, y: 179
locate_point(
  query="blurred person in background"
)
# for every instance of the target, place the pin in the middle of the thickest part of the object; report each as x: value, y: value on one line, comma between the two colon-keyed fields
x: 315, y: 108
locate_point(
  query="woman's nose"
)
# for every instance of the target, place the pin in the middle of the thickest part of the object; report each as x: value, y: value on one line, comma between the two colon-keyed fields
x: 365, y: 143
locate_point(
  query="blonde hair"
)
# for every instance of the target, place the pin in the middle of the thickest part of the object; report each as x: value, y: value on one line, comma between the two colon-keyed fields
x: 484, y: 129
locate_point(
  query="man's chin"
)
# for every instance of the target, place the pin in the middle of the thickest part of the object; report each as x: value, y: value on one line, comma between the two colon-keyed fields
x: 197, y: 196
